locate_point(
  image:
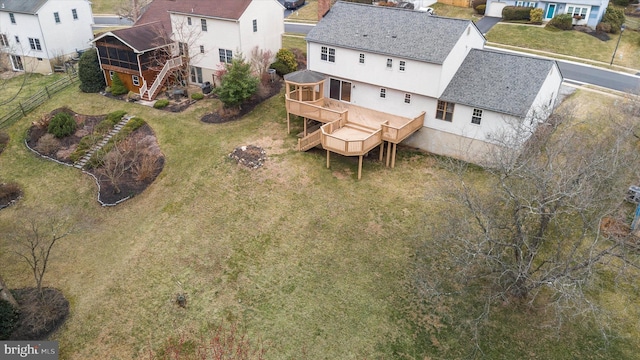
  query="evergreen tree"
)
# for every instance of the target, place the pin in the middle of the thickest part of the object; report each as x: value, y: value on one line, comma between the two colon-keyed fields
x: 238, y: 84
x: 89, y: 72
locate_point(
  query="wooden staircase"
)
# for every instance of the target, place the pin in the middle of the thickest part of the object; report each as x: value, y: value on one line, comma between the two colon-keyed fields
x: 149, y: 93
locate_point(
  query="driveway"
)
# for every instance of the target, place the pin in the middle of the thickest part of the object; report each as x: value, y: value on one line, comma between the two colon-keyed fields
x: 486, y: 23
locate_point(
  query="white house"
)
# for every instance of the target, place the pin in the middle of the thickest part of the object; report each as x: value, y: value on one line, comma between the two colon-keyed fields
x: 35, y: 33
x: 430, y: 85
x: 216, y: 30
x: 584, y: 12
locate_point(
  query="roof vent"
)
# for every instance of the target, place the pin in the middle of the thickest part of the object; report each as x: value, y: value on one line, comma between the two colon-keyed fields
x: 394, y: 36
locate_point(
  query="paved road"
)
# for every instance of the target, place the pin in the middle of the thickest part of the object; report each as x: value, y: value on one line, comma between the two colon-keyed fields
x: 486, y: 23
x: 297, y: 28
x: 110, y: 20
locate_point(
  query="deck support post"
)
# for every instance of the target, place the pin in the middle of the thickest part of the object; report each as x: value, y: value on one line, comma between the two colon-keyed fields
x: 393, y: 157
x: 328, y: 153
x: 381, y: 151
x: 288, y: 126
x: 388, y: 152
x: 305, y: 126
x: 359, y: 167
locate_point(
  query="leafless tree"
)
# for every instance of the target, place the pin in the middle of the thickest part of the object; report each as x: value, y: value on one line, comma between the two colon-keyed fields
x: 132, y: 9
x: 35, y: 235
x: 119, y: 161
x: 534, y: 225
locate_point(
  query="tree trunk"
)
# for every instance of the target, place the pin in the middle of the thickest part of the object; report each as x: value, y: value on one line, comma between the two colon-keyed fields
x: 5, y: 294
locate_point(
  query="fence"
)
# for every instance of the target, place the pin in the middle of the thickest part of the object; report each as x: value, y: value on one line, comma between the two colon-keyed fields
x: 36, y: 100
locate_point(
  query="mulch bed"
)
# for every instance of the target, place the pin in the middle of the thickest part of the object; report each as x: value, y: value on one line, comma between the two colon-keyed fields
x: 129, y: 184
x: 601, y: 35
x: 39, y: 315
x: 222, y: 116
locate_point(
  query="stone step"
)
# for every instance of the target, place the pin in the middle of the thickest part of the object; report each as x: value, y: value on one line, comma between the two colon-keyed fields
x: 116, y: 129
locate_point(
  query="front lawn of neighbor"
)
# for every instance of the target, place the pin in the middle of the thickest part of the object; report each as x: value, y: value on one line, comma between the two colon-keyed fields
x: 305, y: 261
x: 571, y: 43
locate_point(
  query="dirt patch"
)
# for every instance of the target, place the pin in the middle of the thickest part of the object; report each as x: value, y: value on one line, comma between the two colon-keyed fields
x: 125, y: 171
x: 601, y: 35
x: 226, y: 115
x: 250, y: 156
x: 39, y: 315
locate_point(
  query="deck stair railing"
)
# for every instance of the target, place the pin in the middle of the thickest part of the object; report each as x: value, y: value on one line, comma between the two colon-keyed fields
x: 149, y: 92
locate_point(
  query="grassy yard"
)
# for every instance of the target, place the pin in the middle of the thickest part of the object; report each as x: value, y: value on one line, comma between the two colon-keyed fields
x: 305, y: 259
x: 571, y: 43
x: 307, y: 13
x: 106, y: 6
x: 21, y: 87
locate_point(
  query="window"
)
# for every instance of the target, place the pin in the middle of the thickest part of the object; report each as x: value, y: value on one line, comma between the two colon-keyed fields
x: 407, y: 98
x: 188, y: 21
x: 444, y: 111
x: 184, y: 50
x: 39, y: 59
x: 201, y: 49
x: 35, y: 44
x: 196, y: 75
x: 476, y: 117
x: 56, y: 16
x: 136, y: 80
x: 12, y: 17
x: 16, y: 62
x: 383, y: 93
x: 255, y: 25
x: 389, y: 63
x: 3, y: 40
x: 203, y: 24
x: 526, y: 3
x: 226, y: 56
x: 328, y: 54
x: 111, y: 73
x: 74, y: 13
x: 361, y: 58
x: 17, y: 39
x: 578, y: 12
x: 340, y: 90
x: 402, y: 65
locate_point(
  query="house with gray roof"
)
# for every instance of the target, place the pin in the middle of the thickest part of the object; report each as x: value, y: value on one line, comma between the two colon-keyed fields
x: 402, y: 63
x: 35, y: 35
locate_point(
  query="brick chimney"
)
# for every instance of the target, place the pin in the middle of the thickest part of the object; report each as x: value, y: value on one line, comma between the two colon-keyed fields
x: 323, y: 8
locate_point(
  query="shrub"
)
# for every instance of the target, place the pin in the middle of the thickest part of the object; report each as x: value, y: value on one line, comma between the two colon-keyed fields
x: 535, y: 16
x: 511, y: 13
x: 197, y: 96
x: 62, y: 125
x: 115, y: 116
x: 47, y: 144
x: 480, y: 9
x: 604, y: 27
x: 89, y: 72
x: 9, y: 191
x: 8, y: 319
x: 162, y: 103
x: 117, y: 86
x: 301, y: 57
x: 476, y: 3
x: 623, y: 3
x: 614, y: 17
x: 281, y: 68
x: 238, y: 85
x: 561, y: 22
x: 134, y: 124
x: 287, y: 57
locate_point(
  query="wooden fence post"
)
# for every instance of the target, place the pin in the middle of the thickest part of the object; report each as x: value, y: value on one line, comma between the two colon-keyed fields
x: 21, y: 109
x: 47, y: 91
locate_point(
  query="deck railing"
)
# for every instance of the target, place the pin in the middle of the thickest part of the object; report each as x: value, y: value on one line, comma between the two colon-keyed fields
x: 348, y: 147
x: 314, y: 110
x: 397, y: 134
x: 310, y: 140
x: 170, y: 64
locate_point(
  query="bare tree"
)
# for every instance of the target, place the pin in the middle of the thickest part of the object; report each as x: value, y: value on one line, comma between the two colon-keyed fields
x: 35, y: 235
x: 534, y: 226
x: 120, y: 160
x: 132, y: 9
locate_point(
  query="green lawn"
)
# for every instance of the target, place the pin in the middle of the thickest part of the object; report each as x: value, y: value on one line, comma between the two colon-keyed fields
x: 571, y: 43
x: 308, y: 260
x: 21, y: 87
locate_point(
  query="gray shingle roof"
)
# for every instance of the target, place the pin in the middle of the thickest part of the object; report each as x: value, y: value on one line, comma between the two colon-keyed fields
x: 305, y: 77
x: 501, y: 82
x: 21, y: 6
x: 391, y: 31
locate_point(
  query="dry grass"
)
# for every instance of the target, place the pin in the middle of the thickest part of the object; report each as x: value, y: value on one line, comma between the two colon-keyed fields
x: 307, y: 13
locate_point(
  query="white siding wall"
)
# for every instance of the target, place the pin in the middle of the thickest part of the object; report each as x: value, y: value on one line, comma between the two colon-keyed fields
x: 69, y: 35
x: 270, y: 18
x: 418, y: 77
x: 546, y: 98
x: 470, y: 39
x: 26, y: 27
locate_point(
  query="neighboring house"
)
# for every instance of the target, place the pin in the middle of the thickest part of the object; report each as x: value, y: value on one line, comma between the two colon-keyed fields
x: 212, y: 32
x: 370, y: 82
x: 36, y: 34
x: 584, y: 12
x: 142, y: 56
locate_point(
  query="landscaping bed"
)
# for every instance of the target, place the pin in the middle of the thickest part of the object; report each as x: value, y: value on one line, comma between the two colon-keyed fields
x: 123, y: 168
x: 224, y: 115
